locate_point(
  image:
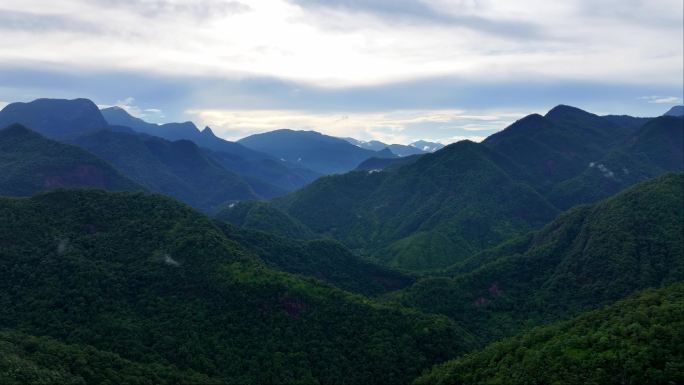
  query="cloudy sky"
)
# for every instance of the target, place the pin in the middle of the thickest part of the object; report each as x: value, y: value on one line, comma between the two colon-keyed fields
x: 394, y: 70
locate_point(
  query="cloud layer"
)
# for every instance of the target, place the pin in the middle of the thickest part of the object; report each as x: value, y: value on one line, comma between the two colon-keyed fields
x: 369, y: 59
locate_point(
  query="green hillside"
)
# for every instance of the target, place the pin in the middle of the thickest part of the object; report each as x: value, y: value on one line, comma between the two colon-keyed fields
x: 30, y: 163
x: 635, y: 341
x: 587, y: 257
x: 653, y: 149
x: 155, y: 282
x: 179, y: 169
x: 443, y: 207
x: 26, y: 359
x: 326, y: 260
x: 557, y: 146
x: 427, y: 214
x: 258, y: 215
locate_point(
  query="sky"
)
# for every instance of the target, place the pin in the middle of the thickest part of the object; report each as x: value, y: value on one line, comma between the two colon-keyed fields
x: 391, y: 70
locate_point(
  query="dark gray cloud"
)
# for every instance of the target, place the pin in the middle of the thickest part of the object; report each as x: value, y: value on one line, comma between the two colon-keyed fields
x: 415, y: 11
x: 633, y: 11
x: 198, y: 9
x: 174, y: 94
x: 32, y: 22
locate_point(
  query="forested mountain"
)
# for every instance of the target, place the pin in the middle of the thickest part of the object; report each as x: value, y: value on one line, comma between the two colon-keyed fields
x: 321, y: 153
x: 266, y: 174
x: 55, y: 118
x: 427, y: 214
x: 259, y: 215
x: 675, y: 111
x: 557, y: 146
x: 376, y: 145
x: 179, y: 169
x: 427, y: 146
x: 154, y: 282
x: 177, y: 131
x: 444, y: 206
x: 652, y: 150
x: 30, y: 163
x: 385, y: 163
x: 326, y: 260
x: 635, y: 341
x: 26, y: 359
x: 589, y: 256
x: 370, y: 276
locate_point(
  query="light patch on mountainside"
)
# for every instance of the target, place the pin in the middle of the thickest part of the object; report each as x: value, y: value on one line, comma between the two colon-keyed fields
x: 605, y: 170
x: 170, y: 261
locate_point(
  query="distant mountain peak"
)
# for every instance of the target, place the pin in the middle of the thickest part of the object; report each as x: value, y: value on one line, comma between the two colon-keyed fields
x: 675, y: 111
x: 55, y: 117
x: 207, y: 131
x: 427, y: 146
x: 563, y: 111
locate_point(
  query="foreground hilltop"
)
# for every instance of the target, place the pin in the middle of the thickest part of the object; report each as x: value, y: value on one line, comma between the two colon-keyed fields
x: 148, y: 279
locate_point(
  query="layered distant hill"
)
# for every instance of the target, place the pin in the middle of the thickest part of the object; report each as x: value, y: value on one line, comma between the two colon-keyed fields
x: 431, y: 212
x: 397, y: 149
x: 321, y: 153
x: 675, y: 111
x: 55, y: 118
x: 589, y: 256
x: 506, y: 261
x: 426, y: 214
x: 195, y: 167
x: 176, y: 131
x: 30, y: 163
x: 427, y: 146
x: 257, y: 167
x: 179, y: 169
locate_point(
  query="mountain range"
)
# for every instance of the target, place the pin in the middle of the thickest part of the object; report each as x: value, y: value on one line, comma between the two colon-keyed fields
x: 675, y: 111
x: 150, y: 281
x: 589, y: 256
x: 551, y: 252
x: 469, y: 196
x: 397, y: 149
x: 31, y: 163
x: 321, y: 153
x: 203, y: 177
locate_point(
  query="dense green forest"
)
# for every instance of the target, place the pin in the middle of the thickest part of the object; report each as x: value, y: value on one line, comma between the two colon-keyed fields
x: 155, y: 282
x: 179, y: 169
x: 639, y: 340
x: 259, y: 215
x: 427, y: 214
x: 26, y: 359
x: 506, y: 261
x: 441, y: 208
x: 589, y: 256
x: 327, y: 260
x: 30, y: 163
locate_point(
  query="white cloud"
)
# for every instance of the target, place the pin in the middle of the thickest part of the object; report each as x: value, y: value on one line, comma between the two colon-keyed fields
x: 129, y: 104
x: 635, y: 41
x: 400, y: 126
x: 661, y: 99
x: 3, y: 104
